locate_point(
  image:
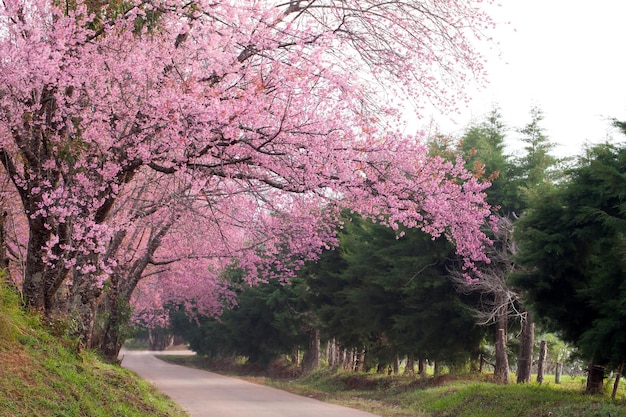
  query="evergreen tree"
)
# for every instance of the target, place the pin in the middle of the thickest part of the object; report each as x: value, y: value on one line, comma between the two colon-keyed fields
x: 535, y: 169
x: 482, y: 147
x: 269, y: 320
x: 391, y: 295
x: 573, y: 243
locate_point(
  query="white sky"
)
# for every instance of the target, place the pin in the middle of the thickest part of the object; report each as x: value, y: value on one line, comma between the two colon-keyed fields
x: 566, y: 56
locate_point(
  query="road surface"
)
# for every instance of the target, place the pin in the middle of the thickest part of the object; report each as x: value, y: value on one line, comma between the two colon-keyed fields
x: 206, y: 394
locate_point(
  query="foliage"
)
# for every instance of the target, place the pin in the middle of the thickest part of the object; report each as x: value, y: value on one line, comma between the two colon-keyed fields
x: 482, y: 147
x: 269, y: 319
x: 378, y: 291
x: 534, y: 170
x: 572, y: 242
x: 389, y: 293
x: 162, y: 139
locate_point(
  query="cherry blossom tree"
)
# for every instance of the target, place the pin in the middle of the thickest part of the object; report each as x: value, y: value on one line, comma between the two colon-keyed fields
x: 272, y: 113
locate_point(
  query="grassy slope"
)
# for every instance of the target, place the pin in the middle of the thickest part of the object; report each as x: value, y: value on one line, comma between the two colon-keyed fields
x: 43, y: 375
x: 445, y: 396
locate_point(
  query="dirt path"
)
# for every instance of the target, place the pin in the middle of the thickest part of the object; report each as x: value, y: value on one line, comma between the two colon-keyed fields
x: 206, y: 394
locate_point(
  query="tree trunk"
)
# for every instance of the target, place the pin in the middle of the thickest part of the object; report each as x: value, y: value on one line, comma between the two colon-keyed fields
x: 335, y: 355
x: 595, y: 379
x: 421, y: 367
x: 159, y: 339
x: 381, y: 367
x: 349, y: 359
x: 527, y: 341
x: 4, y: 259
x: 410, y: 366
x: 558, y: 373
x: 618, y: 376
x: 360, y: 361
x: 501, y: 371
x: 543, y: 351
x: 311, y: 359
x: 111, y: 341
x: 330, y: 353
x: 33, y: 286
x: 437, y: 368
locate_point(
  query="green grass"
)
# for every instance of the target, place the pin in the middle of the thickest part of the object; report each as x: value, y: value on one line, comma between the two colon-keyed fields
x: 44, y: 375
x: 444, y: 396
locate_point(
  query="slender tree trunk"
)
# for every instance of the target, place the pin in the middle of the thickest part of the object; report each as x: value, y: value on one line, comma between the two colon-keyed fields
x: 396, y: 364
x: 527, y: 341
x: 335, y: 353
x: 380, y: 368
x: 558, y: 373
x: 437, y: 368
x: 330, y: 360
x: 543, y: 351
x: 360, y: 361
x: 421, y: 367
x: 111, y: 342
x: 501, y: 371
x: 348, y: 358
x: 4, y: 259
x: 618, y: 376
x: 410, y: 366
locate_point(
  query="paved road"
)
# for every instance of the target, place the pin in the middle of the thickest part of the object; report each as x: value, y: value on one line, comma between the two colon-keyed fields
x: 205, y: 394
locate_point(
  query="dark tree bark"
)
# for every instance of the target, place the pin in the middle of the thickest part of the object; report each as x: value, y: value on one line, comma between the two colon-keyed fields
x: 311, y: 359
x: 595, y: 379
x: 381, y: 368
x: 543, y: 351
x: 396, y: 364
x: 421, y: 367
x: 33, y: 286
x: 111, y: 344
x: 123, y: 282
x: 437, y: 368
x: 527, y: 341
x: 4, y: 258
x: 501, y: 370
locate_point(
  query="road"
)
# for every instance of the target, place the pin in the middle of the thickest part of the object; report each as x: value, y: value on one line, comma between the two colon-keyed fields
x: 206, y: 394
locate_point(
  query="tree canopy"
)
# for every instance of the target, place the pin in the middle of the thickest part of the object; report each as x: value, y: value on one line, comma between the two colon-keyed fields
x: 122, y: 124
x: 572, y: 244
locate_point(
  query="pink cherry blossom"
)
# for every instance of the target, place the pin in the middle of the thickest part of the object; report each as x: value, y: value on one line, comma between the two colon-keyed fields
x: 225, y: 131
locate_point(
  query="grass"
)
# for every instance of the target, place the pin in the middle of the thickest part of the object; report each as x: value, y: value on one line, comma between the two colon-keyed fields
x: 42, y: 374
x: 443, y: 396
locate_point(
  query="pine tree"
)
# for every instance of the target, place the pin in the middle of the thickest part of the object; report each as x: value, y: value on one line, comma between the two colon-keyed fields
x: 573, y: 245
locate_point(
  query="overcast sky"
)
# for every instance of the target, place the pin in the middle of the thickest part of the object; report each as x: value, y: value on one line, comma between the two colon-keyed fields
x: 565, y: 56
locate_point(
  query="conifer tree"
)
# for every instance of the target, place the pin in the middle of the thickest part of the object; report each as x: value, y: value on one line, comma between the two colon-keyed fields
x: 572, y: 245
